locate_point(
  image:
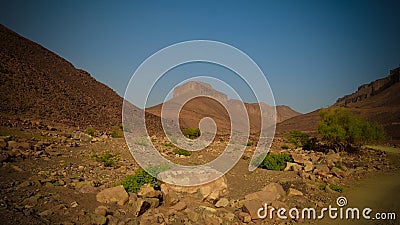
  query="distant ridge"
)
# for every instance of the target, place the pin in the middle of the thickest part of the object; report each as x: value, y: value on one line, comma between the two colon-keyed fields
x: 378, y: 101
x: 200, y: 107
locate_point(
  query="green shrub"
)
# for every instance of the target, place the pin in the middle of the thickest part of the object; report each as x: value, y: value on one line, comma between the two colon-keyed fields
x: 192, y: 133
x: 285, y: 147
x: 132, y: 183
x: 338, y: 165
x: 117, y: 132
x: 322, y: 187
x: 275, y: 161
x: 336, y: 188
x: 342, y: 130
x: 249, y: 143
x: 106, y: 158
x: 91, y: 131
x: 181, y: 151
x: 300, y: 139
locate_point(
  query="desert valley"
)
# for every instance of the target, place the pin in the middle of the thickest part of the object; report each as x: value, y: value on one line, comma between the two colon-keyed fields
x: 64, y: 159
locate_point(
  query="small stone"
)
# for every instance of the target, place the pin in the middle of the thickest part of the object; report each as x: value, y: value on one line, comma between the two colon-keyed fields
x: 223, y: 202
x: 81, y: 168
x: 294, y: 192
x: 47, y: 212
x: 101, y: 210
x: 98, y: 219
x: 74, y: 205
x: 141, y: 206
x: 245, y: 217
x: 321, y: 168
x: 308, y: 166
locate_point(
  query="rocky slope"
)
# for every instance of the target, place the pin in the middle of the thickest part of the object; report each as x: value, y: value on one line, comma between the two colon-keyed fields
x: 200, y: 107
x: 38, y: 85
x: 378, y: 101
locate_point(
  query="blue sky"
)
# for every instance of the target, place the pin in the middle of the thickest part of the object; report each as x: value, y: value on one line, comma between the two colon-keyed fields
x: 312, y: 52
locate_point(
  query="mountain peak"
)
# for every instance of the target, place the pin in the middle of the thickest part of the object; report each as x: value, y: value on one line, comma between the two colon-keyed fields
x: 198, y: 88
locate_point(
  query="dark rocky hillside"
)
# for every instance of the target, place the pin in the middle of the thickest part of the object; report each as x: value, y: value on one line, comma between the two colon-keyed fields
x: 37, y: 84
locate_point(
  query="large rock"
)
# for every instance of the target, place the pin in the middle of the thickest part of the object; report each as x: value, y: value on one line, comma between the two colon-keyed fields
x: 147, y: 191
x: 82, y: 136
x: 251, y: 207
x: 210, y: 192
x: 115, y: 194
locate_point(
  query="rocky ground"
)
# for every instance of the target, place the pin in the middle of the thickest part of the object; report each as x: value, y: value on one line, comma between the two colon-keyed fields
x: 53, y: 176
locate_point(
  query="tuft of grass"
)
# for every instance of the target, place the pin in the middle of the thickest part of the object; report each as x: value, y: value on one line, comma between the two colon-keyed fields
x: 338, y: 165
x: 249, y: 143
x: 275, y: 161
x: 336, y: 188
x: 284, y: 147
x: 192, y: 133
x: 132, y: 183
x: 91, y: 131
x: 181, y: 151
x: 322, y: 187
x: 117, y: 132
x: 106, y: 158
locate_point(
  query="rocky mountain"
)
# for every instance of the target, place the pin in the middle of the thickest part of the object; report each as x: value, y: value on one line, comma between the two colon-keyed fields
x: 378, y: 101
x: 38, y: 85
x: 197, y: 108
x: 366, y: 91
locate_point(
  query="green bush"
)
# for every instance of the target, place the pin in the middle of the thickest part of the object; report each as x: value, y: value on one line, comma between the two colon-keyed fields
x: 117, y: 132
x: 275, y: 161
x: 300, y: 139
x: 192, y: 133
x: 132, y: 183
x: 285, y: 147
x: 181, y: 151
x: 91, y: 131
x: 156, y: 169
x: 249, y: 143
x: 106, y: 158
x: 342, y: 130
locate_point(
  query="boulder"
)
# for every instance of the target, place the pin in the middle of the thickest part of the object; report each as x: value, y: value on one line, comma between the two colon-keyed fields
x: 251, y: 207
x: 293, y: 167
x: 115, y: 194
x: 223, y: 202
x: 147, y: 191
x: 82, y: 137
x: 210, y: 192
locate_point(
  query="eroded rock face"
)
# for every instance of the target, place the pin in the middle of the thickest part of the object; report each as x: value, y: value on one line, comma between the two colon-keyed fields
x: 194, y: 88
x: 210, y: 192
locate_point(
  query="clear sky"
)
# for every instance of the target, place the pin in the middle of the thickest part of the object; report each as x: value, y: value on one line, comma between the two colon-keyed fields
x: 312, y: 52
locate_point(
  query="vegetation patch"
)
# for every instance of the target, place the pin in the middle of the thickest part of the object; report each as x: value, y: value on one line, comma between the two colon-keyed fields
x: 117, y: 132
x: 284, y: 147
x: 301, y: 140
x: 336, y: 188
x: 342, y: 131
x: 132, y: 183
x: 249, y: 143
x: 106, y: 158
x: 91, y: 131
x: 274, y: 161
x: 192, y: 133
x: 181, y: 151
